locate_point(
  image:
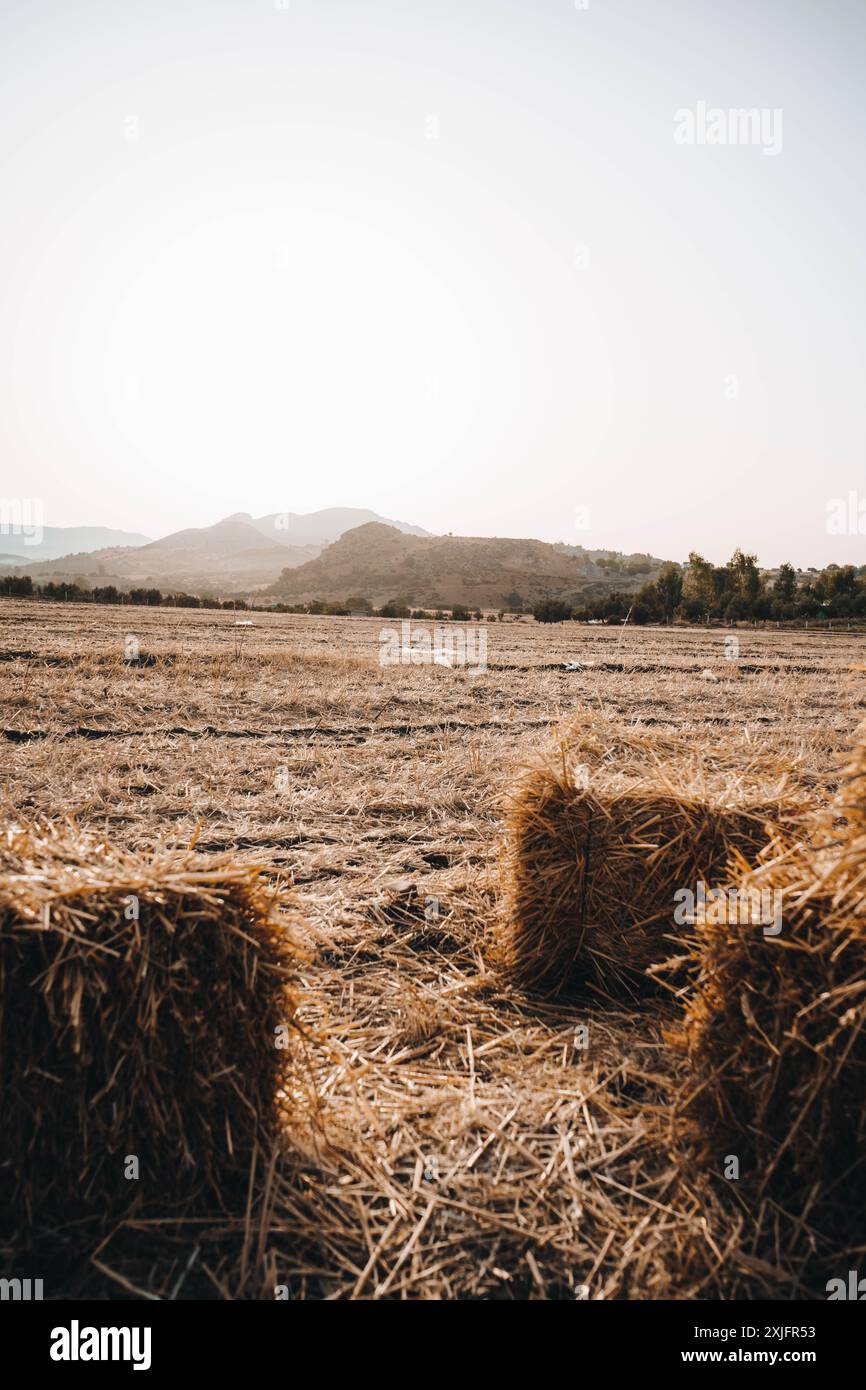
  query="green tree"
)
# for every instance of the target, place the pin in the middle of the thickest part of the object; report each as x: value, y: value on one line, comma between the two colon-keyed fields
x: 698, y: 590
x: 785, y: 587
x: 669, y: 587
x: 746, y: 583
x: 551, y: 610
x: 648, y: 603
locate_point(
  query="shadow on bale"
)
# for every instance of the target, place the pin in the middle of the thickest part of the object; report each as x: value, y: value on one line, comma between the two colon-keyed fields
x: 141, y: 1007
x: 773, y: 1044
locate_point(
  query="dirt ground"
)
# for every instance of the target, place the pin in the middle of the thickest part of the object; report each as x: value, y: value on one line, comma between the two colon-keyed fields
x: 452, y: 1139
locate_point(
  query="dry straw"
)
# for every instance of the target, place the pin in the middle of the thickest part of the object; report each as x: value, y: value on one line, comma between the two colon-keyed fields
x: 774, y: 1033
x: 601, y: 835
x: 140, y: 1003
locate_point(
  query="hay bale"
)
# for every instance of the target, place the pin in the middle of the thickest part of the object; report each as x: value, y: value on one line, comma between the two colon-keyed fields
x: 774, y: 1032
x: 774, y: 1037
x: 600, y: 837
x: 850, y: 801
x: 138, y: 1005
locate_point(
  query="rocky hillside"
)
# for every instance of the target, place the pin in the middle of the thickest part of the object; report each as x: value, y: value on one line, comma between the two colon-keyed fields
x: 380, y: 563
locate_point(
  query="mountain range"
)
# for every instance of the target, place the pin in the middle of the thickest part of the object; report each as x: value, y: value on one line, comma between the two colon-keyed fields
x: 241, y: 553
x: 337, y: 554
x: 62, y: 540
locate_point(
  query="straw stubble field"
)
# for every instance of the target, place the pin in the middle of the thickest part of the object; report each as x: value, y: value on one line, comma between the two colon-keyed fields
x: 453, y: 1136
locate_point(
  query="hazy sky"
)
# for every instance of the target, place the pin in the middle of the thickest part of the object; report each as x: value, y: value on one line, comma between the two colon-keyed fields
x: 443, y: 258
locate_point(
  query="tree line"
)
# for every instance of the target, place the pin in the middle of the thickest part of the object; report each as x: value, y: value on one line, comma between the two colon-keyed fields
x: 22, y: 586
x: 701, y: 592
x: 697, y: 592
x: 16, y: 586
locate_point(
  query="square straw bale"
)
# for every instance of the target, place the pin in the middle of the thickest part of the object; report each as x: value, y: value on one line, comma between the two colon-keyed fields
x: 140, y: 1000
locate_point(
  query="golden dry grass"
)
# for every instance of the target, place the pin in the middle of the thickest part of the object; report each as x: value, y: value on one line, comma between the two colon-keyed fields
x: 453, y: 1137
